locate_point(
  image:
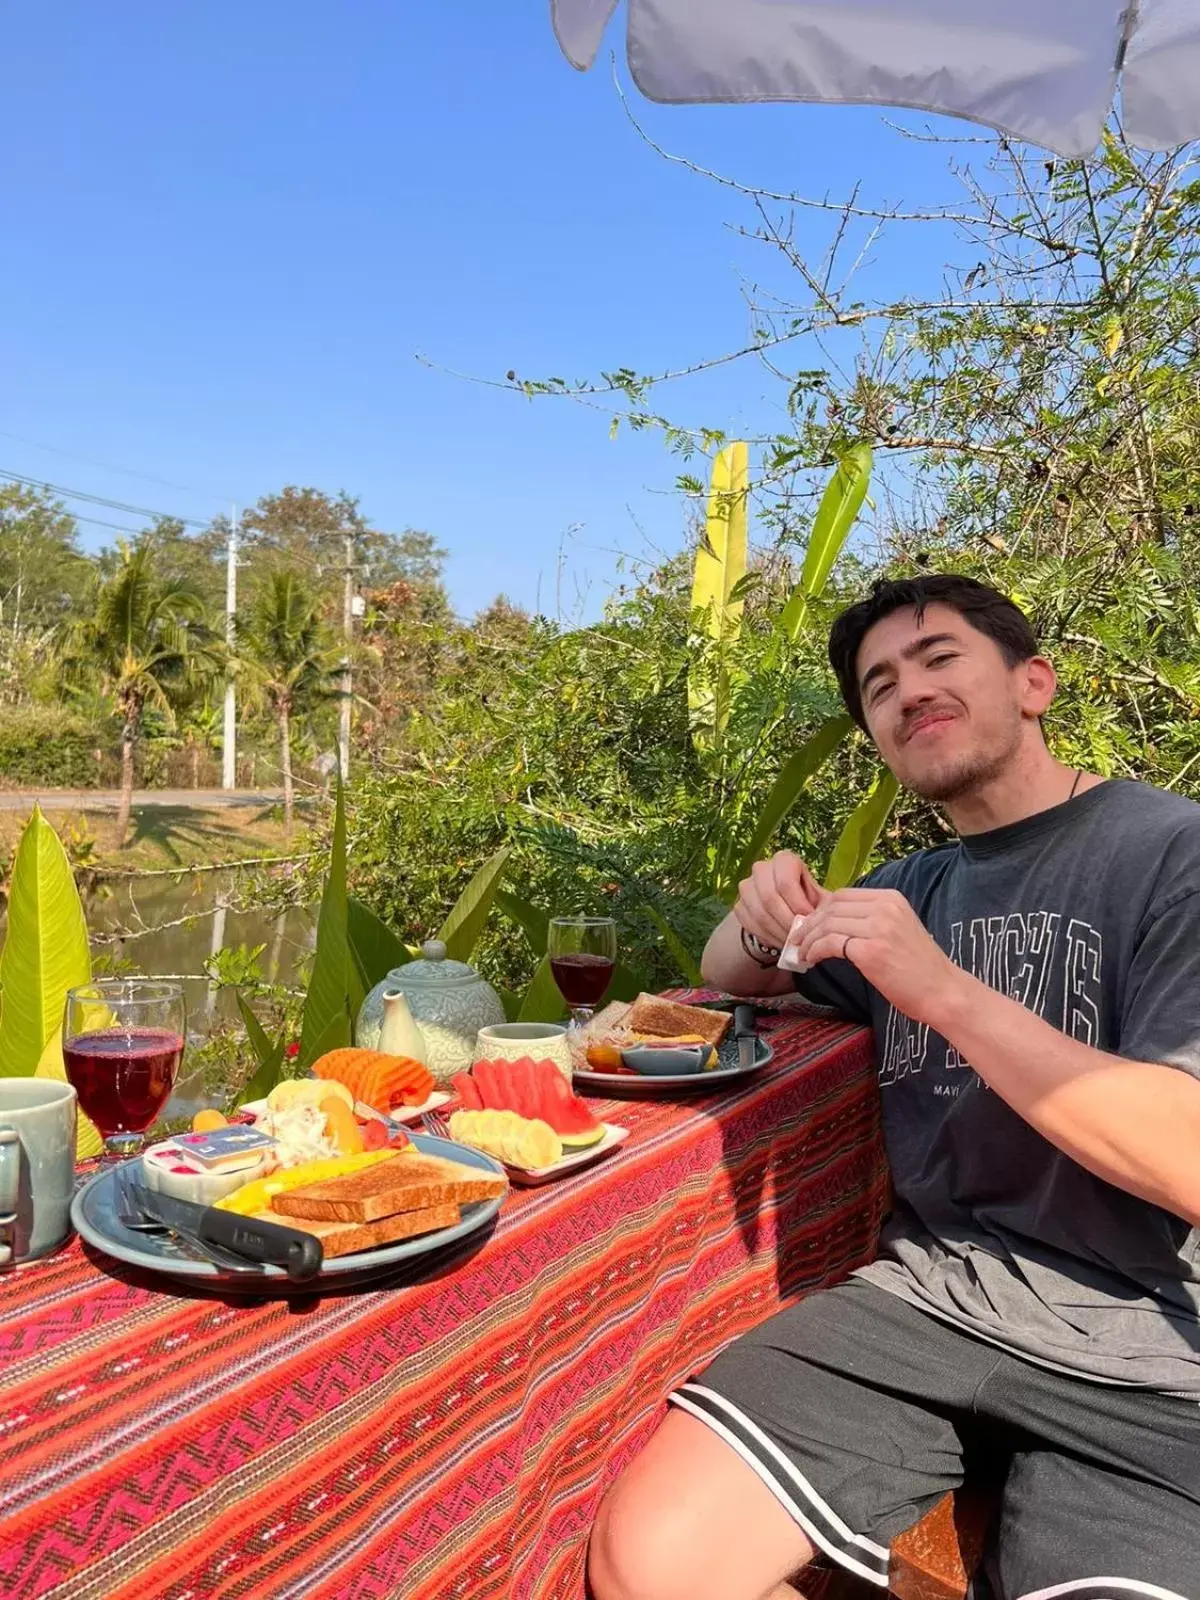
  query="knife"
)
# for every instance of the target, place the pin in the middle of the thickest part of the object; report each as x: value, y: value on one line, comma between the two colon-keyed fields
x: 746, y: 1036
x: 299, y: 1254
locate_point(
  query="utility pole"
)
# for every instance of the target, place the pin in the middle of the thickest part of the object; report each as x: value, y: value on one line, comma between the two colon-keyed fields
x: 347, y: 682
x: 229, y: 743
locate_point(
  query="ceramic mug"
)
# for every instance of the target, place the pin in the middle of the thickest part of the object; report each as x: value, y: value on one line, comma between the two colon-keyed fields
x: 511, y: 1041
x: 37, y: 1166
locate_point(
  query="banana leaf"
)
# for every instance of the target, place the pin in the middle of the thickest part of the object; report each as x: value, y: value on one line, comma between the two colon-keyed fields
x: 335, y: 989
x: 793, y: 779
x: 718, y: 584
x: 687, y: 963
x: 542, y: 1001
x: 831, y: 527
x: 88, y: 1142
x: 858, y: 838
x: 45, y: 951
x: 535, y: 923
x: 461, y: 929
x: 375, y: 948
x: 267, y: 1052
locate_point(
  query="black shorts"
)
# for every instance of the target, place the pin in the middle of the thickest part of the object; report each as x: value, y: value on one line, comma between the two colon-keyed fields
x: 858, y: 1412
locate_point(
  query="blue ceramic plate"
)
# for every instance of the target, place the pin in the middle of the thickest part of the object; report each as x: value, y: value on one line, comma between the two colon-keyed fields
x: 618, y: 1085
x: 94, y: 1214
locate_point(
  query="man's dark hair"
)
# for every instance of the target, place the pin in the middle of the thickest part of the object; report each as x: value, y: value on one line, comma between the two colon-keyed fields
x: 984, y: 608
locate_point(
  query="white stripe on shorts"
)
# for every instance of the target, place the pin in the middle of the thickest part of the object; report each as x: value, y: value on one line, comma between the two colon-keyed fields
x: 1103, y: 1589
x: 818, y: 1520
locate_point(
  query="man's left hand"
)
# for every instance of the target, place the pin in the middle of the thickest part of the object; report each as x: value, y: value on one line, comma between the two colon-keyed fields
x: 880, y: 933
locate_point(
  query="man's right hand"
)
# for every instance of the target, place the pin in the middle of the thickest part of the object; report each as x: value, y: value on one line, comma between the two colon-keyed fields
x: 774, y: 895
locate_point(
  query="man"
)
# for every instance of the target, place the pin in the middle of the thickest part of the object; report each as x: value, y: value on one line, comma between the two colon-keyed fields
x: 1034, y: 989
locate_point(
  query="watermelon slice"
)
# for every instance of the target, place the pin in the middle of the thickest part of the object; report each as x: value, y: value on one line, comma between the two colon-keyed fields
x: 510, y: 1086
x: 467, y: 1090
x: 566, y: 1113
x: 516, y: 1097
x: 490, y: 1085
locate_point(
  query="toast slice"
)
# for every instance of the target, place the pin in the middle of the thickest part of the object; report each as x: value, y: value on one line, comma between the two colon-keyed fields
x: 414, y: 1182
x: 650, y: 1013
x: 347, y: 1238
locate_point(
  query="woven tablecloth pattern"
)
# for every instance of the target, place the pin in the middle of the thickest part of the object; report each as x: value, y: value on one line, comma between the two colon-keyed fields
x: 448, y: 1437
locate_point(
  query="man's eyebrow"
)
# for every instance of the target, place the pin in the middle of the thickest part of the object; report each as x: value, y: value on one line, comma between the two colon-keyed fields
x: 916, y: 648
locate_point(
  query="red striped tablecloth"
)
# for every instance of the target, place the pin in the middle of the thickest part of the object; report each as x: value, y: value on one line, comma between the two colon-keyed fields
x: 447, y: 1438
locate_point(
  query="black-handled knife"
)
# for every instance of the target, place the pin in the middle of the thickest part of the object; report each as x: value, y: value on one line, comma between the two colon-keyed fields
x: 746, y: 1035
x: 299, y: 1254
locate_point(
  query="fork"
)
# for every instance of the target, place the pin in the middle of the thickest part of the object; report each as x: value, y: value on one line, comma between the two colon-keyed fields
x: 136, y: 1221
x: 435, y: 1123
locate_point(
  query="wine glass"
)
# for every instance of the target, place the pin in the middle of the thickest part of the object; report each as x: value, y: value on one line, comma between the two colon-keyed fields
x: 122, y: 1045
x: 583, y: 952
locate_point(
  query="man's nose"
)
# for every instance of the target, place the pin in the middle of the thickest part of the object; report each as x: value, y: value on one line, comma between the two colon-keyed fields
x: 913, y: 694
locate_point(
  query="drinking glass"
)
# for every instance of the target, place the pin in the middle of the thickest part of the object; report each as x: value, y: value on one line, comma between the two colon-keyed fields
x: 583, y: 952
x: 122, y: 1045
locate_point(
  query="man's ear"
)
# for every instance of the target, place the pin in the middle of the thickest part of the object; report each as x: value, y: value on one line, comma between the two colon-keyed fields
x: 1040, y: 686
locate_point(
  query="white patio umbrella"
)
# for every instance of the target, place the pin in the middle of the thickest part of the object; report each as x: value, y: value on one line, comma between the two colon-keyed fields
x: 1042, y: 70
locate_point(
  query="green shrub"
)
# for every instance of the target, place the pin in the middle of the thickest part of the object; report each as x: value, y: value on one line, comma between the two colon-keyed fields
x: 48, y: 747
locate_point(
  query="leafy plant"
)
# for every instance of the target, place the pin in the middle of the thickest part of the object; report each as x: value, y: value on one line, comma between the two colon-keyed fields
x: 717, y: 598
x: 335, y: 989
x: 287, y: 661
x: 857, y: 839
x: 840, y: 505
x: 269, y: 1054
x: 45, y: 954
x: 461, y: 929
x: 375, y: 949
x: 143, y: 634
x: 235, y: 967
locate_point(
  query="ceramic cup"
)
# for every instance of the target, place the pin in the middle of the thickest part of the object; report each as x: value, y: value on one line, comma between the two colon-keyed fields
x: 37, y: 1166
x: 510, y: 1041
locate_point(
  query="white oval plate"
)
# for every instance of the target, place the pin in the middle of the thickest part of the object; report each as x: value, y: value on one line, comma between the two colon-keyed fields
x: 614, y: 1137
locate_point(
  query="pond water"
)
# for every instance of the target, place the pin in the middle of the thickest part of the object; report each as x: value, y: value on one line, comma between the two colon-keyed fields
x: 174, y: 925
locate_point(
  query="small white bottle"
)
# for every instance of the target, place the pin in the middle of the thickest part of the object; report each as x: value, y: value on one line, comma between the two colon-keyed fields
x: 400, y: 1035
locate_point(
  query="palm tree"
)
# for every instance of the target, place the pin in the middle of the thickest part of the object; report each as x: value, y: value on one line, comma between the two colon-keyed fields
x: 144, y: 636
x: 285, y: 651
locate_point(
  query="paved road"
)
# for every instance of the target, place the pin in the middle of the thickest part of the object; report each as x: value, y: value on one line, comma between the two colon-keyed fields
x: 110, y: 799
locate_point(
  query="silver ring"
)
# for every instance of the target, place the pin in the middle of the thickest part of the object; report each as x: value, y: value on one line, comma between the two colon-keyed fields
x: 846, y: 938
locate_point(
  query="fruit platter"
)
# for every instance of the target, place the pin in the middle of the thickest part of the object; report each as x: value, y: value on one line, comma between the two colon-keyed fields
x: 525, y: 1114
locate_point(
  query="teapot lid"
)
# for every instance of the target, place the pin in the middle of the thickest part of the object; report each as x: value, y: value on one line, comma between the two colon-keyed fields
x: 433, y: 970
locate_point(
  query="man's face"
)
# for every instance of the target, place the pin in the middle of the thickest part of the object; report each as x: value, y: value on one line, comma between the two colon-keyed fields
x: 945, y: 710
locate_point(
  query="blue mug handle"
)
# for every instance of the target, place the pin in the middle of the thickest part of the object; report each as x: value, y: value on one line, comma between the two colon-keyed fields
x: 10, y: 1177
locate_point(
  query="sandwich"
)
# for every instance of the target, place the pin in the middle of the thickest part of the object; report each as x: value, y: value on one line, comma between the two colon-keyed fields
x: 662, y: 1021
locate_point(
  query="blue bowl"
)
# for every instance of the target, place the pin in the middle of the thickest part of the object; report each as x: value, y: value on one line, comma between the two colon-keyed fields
x: 655, y: 1062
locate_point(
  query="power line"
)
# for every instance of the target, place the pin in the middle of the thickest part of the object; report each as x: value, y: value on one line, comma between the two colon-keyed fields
x: 99, y: 500
x: 107, y: 466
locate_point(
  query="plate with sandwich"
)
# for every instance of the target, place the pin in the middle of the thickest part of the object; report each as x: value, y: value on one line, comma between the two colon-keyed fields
x: 655, y: 1046
x: 370, y: 1212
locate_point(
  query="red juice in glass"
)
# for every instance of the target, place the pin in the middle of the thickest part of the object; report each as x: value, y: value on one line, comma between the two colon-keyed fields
x: 123, y: 1077
x: 582, y: 979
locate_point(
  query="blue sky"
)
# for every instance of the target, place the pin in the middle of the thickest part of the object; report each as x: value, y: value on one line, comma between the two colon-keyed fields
x: 230, y: 227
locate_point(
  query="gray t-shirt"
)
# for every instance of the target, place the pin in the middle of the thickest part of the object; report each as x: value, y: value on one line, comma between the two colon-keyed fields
x: 1089, y: 915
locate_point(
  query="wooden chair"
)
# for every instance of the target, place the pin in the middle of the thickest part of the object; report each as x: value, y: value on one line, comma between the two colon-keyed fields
x: 935, y: 1560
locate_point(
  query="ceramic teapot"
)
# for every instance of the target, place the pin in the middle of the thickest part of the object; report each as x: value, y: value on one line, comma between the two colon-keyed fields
x: 448, y: 1001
